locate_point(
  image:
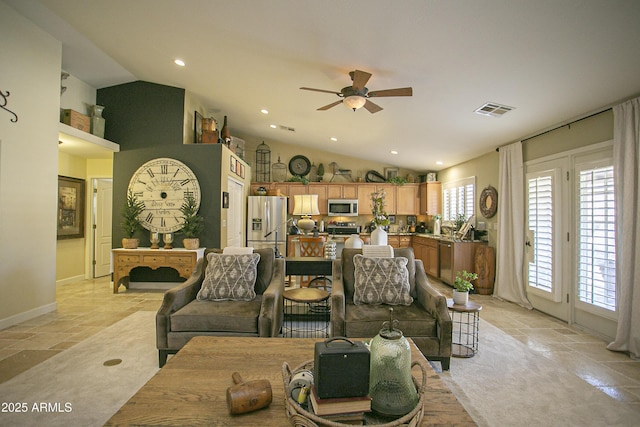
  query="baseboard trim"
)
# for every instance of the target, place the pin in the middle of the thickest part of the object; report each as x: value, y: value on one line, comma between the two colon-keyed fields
x: 72, y: 279
x: 27, y: 315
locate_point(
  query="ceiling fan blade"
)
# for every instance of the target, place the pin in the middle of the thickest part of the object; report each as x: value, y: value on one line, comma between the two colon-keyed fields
x: 320, y: 90
x: 403, y: 91
x: 360, y: 79
x: 371, y: 107
x: 333, y: 104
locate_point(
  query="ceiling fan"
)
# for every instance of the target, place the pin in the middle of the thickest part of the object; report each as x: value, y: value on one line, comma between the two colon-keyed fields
x: 357, y: 95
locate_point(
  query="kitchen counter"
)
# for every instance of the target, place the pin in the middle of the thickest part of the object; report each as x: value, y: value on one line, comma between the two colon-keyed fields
x: 427, y: 235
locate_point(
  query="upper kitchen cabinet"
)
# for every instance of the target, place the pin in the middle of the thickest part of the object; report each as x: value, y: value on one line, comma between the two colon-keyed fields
x: 326, y: 191
x: 431, y: 198
x: 364, y: 198
x: 407, y: 200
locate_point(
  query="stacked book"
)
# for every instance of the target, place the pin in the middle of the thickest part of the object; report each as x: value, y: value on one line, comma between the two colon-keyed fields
x: 347, y: 410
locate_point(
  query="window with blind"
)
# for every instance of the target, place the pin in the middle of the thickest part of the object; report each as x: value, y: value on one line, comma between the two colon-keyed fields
x: 458, y: 198
x: 542, y: 193
x: 596, y: 237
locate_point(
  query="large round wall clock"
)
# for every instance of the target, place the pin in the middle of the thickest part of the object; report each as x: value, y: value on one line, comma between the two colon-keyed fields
x: 488, y: 202
x: 299, y: 165
x: 162, y: 185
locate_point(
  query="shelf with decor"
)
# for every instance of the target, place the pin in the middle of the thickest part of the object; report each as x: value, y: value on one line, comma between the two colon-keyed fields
x: 83, y: 144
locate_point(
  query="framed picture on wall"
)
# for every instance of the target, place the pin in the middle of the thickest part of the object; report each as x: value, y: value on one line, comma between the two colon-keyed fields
x: 70, y: 208
x: 225, y: 200
x: 232, y: 164
x: 390, y: 173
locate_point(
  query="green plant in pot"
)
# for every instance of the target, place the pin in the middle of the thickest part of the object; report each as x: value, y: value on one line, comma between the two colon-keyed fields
x: 320, y: 171
x: 462, y: 285
x: 193, y: 223
x: 130, y: 220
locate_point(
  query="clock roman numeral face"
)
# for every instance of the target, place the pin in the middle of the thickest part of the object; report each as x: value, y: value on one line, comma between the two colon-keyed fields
x: 162, y: 185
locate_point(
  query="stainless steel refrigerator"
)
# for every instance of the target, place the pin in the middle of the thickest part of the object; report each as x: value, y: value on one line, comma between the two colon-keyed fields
x: 267, y: 222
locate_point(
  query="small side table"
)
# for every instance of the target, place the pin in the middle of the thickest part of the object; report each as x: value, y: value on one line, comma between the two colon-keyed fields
x: 302, y: 318
x: 466, y: 319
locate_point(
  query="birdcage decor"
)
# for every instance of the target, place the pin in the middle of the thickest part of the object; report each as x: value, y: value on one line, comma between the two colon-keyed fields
x: 279, y: 171
x: 263, y: 163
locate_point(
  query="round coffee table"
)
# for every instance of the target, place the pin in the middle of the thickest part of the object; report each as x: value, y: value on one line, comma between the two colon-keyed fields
x: 306, y: 313
x: 466, y: 319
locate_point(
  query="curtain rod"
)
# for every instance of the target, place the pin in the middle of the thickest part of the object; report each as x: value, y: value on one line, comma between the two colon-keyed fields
x: 561, y: 126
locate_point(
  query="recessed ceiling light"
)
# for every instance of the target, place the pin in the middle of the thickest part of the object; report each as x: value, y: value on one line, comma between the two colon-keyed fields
x: 394, y: 152
x: 439, y: 163
x: 179, y: 62
x: 264, y: 111
x: 273, y: 126
x: 334, y: 139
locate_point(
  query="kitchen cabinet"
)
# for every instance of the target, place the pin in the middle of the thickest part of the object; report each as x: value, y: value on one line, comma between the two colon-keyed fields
x: 399, y: 241
x: 430, y: 198
x: 407, y: 199
x: 426, y: 249
x: 349, y: 191
x: 399, y: 200
x: 364, y: 198
x: 393, y: 241
x: 294, y: 190
x: 323, y: 194
x: 390, y: 198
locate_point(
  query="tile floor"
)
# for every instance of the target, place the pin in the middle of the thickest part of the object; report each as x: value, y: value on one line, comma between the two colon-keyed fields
x: 87, y: 307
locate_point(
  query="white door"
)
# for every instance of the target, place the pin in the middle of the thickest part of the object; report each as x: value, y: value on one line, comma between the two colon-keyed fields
x: 570, y: 265
x: 102, y: 204
x: 236, y: 213
x: 546, y: 247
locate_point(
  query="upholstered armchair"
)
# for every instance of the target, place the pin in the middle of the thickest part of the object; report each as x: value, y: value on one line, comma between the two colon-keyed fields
x: 425, y: 319
x: 223, y: 306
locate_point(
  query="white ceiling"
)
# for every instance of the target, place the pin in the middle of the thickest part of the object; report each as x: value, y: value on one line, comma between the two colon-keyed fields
x: 553, y: 60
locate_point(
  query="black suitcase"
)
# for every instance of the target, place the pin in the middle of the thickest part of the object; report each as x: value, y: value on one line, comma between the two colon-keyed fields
x: 341, y: 368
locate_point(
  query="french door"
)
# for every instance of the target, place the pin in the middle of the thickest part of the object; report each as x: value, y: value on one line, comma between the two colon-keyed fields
x: 570, y: 244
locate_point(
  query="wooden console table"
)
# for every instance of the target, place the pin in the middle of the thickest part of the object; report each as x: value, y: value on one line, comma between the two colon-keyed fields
x: 191, y: 388
x: 125, y: 260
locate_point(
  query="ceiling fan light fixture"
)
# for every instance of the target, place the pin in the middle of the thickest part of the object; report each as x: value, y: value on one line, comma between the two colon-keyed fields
x: 354, y: 102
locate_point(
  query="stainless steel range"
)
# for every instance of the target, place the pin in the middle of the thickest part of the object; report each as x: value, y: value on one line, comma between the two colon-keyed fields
x: 343, y: 228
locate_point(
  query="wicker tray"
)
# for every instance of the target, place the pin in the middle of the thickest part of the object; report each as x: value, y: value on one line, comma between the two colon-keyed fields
x: 300, y: 417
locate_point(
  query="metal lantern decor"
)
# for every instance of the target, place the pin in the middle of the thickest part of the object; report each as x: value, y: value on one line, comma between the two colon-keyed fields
x: 263, y: 163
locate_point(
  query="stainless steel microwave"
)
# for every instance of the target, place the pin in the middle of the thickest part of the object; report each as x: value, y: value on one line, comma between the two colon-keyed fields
x: 343, y: 207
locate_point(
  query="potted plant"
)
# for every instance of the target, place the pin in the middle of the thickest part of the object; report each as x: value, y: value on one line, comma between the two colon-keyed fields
x: 462, y: 285
x: 380, y: 218
x: 320, y: 171
x: 193, y: 223
x: 130, y: 222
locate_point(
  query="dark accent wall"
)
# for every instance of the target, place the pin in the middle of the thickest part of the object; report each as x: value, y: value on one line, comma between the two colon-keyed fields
x: 142, y: 114
x: 203, y: 159
x: 146, y: 119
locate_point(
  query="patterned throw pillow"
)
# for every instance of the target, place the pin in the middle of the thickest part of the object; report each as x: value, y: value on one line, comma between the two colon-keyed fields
x: 381, y: 281
x: 229, y: 277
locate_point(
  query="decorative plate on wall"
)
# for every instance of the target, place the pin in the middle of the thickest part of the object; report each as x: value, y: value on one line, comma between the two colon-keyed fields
x: 488, y: 202
x: 299, y: 165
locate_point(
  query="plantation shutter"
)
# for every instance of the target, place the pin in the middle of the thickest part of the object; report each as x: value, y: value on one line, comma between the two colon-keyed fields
x: 596, y: 239
x: 540, y: 223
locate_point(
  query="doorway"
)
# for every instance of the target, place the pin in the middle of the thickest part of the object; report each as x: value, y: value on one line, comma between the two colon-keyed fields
x: 570, y: 245
x: 102, y: 204
x: 236, y: 213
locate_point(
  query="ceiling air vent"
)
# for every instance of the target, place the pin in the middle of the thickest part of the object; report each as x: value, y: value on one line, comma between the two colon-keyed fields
x: 287, y: 128
x: 493, y: 109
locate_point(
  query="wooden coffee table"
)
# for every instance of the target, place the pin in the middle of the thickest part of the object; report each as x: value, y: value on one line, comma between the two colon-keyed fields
x: 191, y: 388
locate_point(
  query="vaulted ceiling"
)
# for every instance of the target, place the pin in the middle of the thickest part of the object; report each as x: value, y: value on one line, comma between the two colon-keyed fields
x: 552, y: 60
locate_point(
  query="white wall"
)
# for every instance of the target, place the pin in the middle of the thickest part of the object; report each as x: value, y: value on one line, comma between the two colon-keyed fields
x: 28, y: 168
